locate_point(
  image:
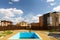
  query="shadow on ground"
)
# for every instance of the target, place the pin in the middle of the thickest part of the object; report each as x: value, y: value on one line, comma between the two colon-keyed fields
x: 56, y: 35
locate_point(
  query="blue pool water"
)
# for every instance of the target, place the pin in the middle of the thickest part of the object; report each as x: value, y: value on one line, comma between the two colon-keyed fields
x: 28, y: 35
x: 25, y: 35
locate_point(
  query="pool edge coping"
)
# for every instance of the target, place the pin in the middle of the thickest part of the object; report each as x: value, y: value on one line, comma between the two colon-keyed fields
x: 34, y: 39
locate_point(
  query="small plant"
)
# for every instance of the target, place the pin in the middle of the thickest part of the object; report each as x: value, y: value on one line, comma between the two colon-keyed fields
x: 50, y: 30
x: 29, y: 30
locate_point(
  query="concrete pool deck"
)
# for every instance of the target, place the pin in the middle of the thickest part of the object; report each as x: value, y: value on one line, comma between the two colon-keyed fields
x: 42, y: 34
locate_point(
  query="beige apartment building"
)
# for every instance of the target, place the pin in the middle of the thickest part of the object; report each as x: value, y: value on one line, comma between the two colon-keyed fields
x: 35, y: 24
x: 6, y: 23
x: 41, y: 21
x: 50, y: 20
x: 22, y: 24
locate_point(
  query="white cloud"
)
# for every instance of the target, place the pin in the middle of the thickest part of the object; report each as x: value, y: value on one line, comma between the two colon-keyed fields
x: 57, y: 8
x: 28, y: 18
x: 14, y: 20
x: 52, y: 4
x: 32, y: 18
x: 15, y: 0
x: 50, y: 0
x: 17, y: 19
x: 9, y: 12
x: 36, y: 17
x: 10, y: 3
x: 39, y: 15
x: 17, y: 11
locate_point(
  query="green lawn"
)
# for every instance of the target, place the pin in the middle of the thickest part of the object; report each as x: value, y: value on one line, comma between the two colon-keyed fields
x: 4, y: 33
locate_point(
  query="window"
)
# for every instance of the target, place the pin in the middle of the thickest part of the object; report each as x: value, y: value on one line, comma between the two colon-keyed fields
x: 59, y: 20
x: 49, y: 20
x: 4, y: 23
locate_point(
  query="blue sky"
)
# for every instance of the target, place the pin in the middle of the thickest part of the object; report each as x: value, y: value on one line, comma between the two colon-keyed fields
x: 26, y: 10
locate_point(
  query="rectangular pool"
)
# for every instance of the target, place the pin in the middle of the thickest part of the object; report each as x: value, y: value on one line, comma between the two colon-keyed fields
x: 25, y: 36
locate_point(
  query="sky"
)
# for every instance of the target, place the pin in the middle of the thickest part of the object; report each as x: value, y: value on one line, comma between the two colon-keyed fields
x: 26, y: 10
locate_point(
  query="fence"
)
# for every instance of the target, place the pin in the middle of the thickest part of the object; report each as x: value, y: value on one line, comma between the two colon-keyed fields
x: 11, y: 28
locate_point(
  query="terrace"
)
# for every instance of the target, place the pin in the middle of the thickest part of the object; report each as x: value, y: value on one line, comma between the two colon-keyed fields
x: 45, y: 35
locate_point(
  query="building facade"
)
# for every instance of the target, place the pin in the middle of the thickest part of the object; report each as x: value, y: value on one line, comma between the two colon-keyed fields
x: 50, y: 20
x: 35, y: 26
x: 6, y: 23
x: 41, y: 22
x: 22, y: 24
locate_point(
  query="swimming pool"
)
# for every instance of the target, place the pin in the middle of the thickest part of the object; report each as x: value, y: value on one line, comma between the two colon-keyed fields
x: 25, y: 36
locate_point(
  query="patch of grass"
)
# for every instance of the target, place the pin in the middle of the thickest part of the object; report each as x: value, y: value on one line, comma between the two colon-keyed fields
x: 0, y: 35
x: 8, y: 32
x: 50, y: 30
x: 4, y: 33
x: 54, y: 30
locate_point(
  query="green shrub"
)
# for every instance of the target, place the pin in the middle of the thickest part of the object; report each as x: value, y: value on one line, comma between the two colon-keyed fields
x: 0, y: 35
